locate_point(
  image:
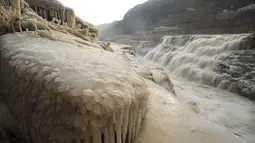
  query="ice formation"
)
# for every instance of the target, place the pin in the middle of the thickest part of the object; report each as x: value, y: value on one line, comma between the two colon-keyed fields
x: 155, y: 74
x: 50, y: 10
x: 59, y: 92
x: 21, y: 17
x: 70, y: 16
x: 59, y: 85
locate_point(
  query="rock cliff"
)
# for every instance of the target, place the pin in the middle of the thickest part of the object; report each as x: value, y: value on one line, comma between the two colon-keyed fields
x: 50, y: 9
x: 190, y: 16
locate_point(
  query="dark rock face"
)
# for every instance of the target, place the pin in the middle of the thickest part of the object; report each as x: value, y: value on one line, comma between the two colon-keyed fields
x: 238, y: 69
x: 207, y: 17
x: 6, y: 123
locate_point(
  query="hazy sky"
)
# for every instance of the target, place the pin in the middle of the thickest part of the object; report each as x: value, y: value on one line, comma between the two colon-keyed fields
x: 101, y: 11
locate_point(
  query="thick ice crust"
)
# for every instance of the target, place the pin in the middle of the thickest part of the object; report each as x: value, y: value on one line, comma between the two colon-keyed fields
x: 157, y: 75
x: 59, y: 92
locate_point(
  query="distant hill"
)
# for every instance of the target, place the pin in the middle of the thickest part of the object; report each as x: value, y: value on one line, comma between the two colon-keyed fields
x: 154, y: 13
x: 106, y: 30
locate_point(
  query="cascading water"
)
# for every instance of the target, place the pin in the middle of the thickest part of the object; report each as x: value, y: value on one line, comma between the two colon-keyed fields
x: 223, y: 61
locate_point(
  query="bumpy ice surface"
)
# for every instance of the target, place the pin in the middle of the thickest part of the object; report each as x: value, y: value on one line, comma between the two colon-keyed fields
x: 62, y: 92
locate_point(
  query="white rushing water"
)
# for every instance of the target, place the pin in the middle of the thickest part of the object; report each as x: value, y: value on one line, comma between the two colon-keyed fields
x: 218, y: 106
x: 192, y: 64
x: 207, y: 59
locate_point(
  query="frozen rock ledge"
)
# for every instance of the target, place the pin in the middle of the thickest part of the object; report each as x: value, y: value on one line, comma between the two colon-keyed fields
x: 65, y: 92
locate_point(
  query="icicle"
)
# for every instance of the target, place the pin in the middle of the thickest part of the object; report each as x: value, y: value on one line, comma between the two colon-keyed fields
x: 96, y: 134
x: 144, y: 110
x: 134, y: 119
x: 60, y: 15
x: 125, y: 123
x: 121, y: 117
x: 40, y: 11
x: 138, y: 123
x: 112, y: 134
x: 36, y: 9
x: 56, y: 14
x: 87, y: 137
x: 118, y: 126
x: 114, y: 117
x: 45, y: 15
x: 130, y: 124
x: 106, y: 135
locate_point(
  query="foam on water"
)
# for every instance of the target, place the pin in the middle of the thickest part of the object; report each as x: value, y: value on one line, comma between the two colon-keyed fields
x: 221, y: 107
x: 218, y: 106
x: 222, y: 61
x: 200, y: 58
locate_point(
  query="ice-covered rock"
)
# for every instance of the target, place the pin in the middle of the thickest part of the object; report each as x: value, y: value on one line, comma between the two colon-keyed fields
x: 59, y: 85
x: 20, y: 17
x: 161, y: 78
x: 64, y: 92
x: 157, y: 75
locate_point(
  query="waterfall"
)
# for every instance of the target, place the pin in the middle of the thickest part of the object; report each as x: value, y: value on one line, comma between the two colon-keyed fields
x: 222, y: 61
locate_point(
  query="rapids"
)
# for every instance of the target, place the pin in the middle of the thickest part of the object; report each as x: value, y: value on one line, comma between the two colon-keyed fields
x: 208, y: 73
x: 222, y: 61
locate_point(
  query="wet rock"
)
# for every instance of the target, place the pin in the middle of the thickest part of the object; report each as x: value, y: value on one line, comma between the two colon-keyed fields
x: 161, y: 78
x: 155, y: 74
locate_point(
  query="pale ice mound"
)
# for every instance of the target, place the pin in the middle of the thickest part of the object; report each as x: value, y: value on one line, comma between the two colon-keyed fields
x: 57, y: 91
x: 155, y: 74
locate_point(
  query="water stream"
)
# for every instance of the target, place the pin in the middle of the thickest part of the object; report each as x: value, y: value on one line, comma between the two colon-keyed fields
x: 209, y: 73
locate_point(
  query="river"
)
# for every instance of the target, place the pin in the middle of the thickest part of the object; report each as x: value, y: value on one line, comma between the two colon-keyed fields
x: 194, y: 64
x: 218, y: 106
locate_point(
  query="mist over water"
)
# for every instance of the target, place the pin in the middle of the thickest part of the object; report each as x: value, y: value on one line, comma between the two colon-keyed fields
x: 213, y: 60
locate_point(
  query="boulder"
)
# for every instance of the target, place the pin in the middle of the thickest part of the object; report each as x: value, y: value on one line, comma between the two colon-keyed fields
x: 62, y: 92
